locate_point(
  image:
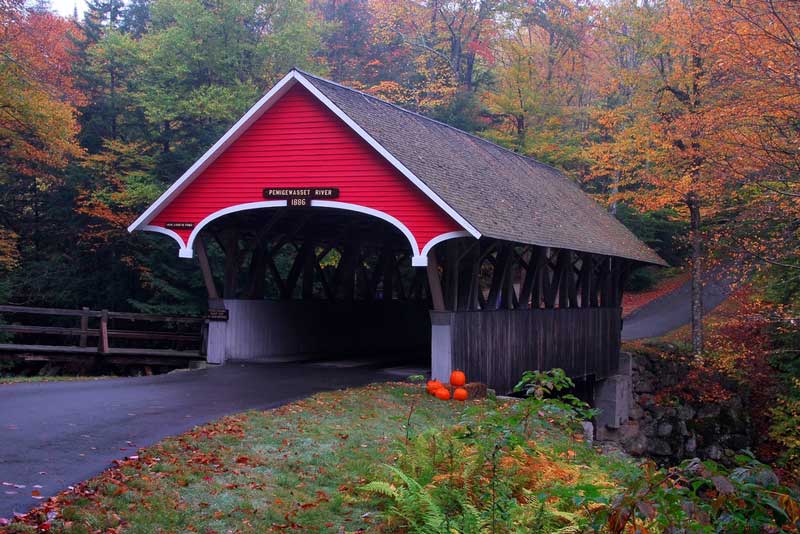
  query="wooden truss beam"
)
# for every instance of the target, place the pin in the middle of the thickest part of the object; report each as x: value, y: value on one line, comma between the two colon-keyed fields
x: 205, y: 268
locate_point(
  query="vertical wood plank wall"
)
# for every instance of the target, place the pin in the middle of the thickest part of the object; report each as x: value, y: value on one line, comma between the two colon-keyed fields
x: 496, y: 347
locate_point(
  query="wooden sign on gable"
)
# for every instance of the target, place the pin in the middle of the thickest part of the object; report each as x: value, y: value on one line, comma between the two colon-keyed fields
x: 300, y: 197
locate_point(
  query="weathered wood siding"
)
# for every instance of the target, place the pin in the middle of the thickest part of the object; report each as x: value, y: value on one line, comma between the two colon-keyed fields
x: 295, y: 329
x: 496, y: 347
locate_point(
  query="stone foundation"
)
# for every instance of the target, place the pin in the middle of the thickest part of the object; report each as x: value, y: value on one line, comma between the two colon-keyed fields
x: 612, y: 396
x: 671, y: 429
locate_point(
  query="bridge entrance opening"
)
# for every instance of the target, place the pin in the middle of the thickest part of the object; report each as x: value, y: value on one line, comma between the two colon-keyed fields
x: 313, y: 283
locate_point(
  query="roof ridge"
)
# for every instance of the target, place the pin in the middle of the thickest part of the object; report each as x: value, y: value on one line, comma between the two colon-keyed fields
x: 435, y: 121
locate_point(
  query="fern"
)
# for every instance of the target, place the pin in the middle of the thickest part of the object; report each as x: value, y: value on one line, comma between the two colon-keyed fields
x: 381, y: 488
x: 485, y: 476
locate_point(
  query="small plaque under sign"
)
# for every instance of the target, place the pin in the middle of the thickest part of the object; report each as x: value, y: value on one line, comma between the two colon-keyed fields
x: 179, y: 225
x: 217, y: 314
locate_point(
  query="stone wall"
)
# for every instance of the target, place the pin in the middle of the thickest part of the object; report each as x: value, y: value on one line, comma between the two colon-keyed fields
x: 669, y: 427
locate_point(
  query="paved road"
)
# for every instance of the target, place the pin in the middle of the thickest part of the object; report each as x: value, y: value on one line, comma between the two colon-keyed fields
x: 60, y: 433
x: 673, y: 310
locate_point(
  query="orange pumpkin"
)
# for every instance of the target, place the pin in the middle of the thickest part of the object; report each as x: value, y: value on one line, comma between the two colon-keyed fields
x: 443, y: 393
x: 432, y: 386
x: 458, y: 378
x: 460, y: 394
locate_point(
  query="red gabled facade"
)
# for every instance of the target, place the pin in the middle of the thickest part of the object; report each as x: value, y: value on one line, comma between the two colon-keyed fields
x: 300, y: 142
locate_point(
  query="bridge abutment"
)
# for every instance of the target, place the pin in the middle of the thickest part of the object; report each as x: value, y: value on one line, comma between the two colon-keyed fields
x: 613, y: 395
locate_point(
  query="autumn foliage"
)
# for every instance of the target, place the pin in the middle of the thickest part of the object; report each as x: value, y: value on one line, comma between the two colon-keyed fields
x: 38, y: 115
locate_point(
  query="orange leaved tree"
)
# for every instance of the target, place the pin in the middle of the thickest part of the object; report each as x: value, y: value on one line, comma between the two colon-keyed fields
x: 658, y: 141
x: 706, y: 121
x: 38, y: 119
x: 757, y: 126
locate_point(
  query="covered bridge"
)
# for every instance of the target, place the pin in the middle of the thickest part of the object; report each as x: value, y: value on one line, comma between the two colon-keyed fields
x: 352, y: 226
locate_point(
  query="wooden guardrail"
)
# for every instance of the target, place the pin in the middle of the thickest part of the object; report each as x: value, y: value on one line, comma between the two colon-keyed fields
x: 104, y: 331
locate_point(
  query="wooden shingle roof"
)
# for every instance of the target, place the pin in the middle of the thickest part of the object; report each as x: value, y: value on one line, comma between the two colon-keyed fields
x: 500, y: 193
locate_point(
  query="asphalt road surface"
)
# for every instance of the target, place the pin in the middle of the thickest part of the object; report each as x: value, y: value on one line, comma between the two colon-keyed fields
x: 674, y: 309
x: 56, y: 434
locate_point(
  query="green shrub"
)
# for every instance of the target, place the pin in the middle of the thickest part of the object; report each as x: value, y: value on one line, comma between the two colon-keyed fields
x: 785, y: 428
x: 704, y: 497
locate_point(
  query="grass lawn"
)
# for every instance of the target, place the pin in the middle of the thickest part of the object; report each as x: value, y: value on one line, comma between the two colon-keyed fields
x: 297, y: 468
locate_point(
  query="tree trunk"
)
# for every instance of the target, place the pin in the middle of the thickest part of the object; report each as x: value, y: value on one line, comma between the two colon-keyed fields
x: 697, y: 273
x: 614, y: 192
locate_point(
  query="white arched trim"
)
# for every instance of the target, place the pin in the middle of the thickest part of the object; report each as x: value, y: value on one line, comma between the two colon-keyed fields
x: 187, y: 251
x: 380, y: 215
x: 165, y: 231
x: 438, y: 239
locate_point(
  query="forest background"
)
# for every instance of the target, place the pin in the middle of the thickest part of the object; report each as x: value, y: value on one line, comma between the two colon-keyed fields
x: 682, y: 116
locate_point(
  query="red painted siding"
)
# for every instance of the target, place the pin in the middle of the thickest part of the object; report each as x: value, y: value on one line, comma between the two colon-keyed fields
x: 300, y: 142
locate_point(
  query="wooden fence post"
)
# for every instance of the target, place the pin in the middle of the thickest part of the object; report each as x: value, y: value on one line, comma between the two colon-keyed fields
x: 102, y: 345
x: 84, y: 326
